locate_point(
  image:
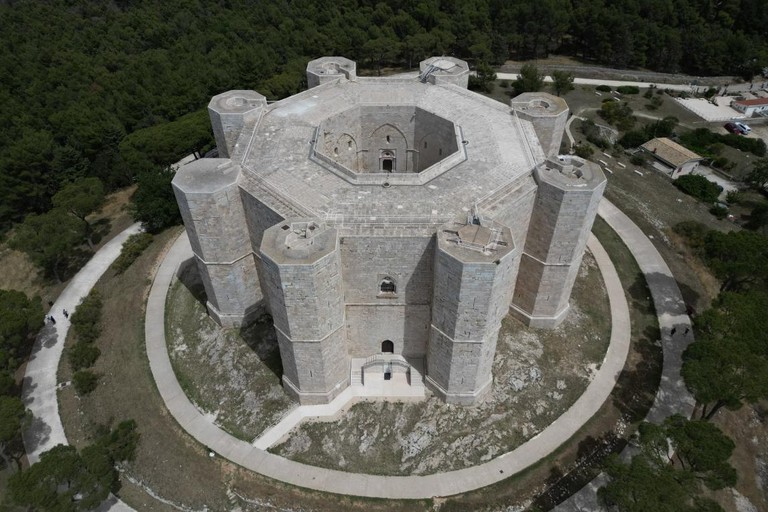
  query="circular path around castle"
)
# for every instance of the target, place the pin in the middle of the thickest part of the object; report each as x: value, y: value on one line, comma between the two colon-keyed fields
x: 672, y: 396
x: 358, y: 484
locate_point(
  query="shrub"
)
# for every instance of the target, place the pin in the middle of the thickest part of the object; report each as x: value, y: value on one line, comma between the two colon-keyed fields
x: 628, y: 89
x: 504, y: 84
x: 603, y: 88
x: 121, y: 442
x: 719, y: 211
x: 132, y: 249
x: 733, y: 197
x: 720, y: 162
x: 637, y: 159
x: 583, y: 151
x: 82, y: 355
x: 710, y: 92
x: 85, y: 381
x: 694, y: 232
x: 648, y: 94
x: 87, y: 317
x: 699, y: 187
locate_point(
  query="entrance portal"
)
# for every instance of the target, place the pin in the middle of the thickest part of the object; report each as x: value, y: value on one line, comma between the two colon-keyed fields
x: 387, y: 347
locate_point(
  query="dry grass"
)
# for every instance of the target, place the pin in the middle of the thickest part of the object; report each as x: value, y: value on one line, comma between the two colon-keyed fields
x: 177, y: 469
x: 18, y: 272
x: 169, y: 463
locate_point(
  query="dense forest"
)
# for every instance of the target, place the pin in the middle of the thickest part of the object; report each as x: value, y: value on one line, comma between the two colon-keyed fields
x: 82, y: 79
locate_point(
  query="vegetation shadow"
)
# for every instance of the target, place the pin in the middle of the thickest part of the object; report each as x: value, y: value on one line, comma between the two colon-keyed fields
x: 591, y: 453
x: 637, y: 385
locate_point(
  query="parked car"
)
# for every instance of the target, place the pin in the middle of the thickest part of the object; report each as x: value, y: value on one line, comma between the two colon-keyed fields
x: 731, y: 127
x: 743, y: 127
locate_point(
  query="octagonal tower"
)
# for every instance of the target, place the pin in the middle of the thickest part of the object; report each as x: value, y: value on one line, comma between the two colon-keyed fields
x: 301, y: 277
x: 212, y: 210
x: 569, y: 191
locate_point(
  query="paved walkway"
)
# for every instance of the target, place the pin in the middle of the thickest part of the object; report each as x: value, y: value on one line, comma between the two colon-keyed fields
x: 39, y: 390
x: 599, y: 81
x: 39, y: 386
x: 397, y: 389
x: 405, y: 487
x: 672, y: 396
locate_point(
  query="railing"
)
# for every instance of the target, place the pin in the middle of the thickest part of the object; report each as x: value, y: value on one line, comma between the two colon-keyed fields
x: 381, y: 359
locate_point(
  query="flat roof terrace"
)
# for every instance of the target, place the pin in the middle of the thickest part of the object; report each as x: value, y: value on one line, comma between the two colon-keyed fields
x: 498, y: 148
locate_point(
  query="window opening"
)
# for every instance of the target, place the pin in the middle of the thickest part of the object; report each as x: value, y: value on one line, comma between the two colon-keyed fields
x: 387, y: 164
x: 387, y: 286
x: 387, y: 347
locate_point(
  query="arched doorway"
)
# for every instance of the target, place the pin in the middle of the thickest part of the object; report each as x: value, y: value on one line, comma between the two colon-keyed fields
x: 387, y: 347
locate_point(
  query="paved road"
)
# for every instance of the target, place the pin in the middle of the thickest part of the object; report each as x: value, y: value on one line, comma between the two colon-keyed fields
x: 634, y: 74
x: 672, y: 397
x: 39, y: 386
x: 612, y: 83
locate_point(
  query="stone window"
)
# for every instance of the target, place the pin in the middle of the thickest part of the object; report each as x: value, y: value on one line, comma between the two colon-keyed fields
x: 388, y: 286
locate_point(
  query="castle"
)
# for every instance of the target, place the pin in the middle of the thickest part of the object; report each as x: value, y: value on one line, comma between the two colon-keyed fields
x: 388, y: 224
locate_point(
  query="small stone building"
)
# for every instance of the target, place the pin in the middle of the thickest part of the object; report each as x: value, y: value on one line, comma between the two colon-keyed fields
x: 751, y: 107
x: 388, y: 224
x: 675, y: 160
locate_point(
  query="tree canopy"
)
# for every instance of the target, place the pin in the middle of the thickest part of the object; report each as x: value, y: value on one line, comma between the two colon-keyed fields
x: 529, y: 80
x: 80, y: 77
x: 20, y: 319
x: 653, y: 481
x: 65, y: 480
x: 727, y: 365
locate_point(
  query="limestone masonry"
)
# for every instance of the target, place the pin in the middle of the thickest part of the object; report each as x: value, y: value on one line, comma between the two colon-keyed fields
x: 389, y: 223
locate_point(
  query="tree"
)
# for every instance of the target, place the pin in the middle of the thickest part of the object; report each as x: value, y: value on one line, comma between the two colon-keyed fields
x: 80, y: 199
x: 727, y: 365
x: 12, y: 419
x: 154, y: 204
x: 51, y: 240
x: 758, y: 176
x: 703, y: 449
x: 651, y: 481
x: 20, y: 319
x: 529, y: 80
x: 63, y: 480
x: 739, y: 258
x: 562, y: 81
x: 483, y: 78
x: 643, y: 485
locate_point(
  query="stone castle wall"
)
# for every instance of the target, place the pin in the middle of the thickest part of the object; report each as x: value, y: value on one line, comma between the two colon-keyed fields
x: 323, y: 286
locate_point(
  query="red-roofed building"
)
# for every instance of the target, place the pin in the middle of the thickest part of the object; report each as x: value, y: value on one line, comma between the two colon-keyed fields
x: 751, y: 107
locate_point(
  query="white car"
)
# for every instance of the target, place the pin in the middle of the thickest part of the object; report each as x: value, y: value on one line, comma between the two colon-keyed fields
x: 744, y: 128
